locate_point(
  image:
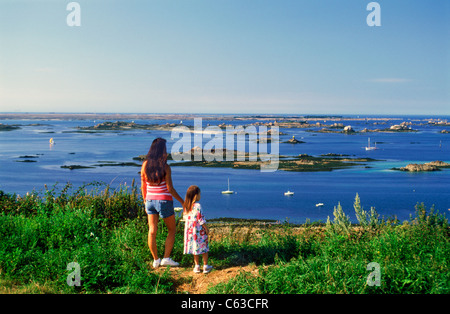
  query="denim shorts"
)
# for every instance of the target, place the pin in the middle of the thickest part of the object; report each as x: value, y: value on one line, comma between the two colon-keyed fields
x: 161, y: 207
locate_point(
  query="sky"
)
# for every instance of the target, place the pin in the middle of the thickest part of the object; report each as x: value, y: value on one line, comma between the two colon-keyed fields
x: 225, y: 56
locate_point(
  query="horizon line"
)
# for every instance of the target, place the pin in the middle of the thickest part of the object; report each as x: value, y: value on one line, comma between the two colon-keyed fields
x: 218, y: 113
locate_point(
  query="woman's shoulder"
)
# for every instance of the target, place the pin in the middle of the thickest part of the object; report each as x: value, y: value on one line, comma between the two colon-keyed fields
x: 197, y: 206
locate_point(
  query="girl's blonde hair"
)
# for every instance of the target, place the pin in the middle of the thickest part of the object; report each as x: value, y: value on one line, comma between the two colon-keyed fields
x: 189, y: 200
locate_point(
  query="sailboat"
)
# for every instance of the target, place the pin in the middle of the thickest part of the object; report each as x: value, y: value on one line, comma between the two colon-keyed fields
x: 288, y: 193
x: 52, y: 141
x: 371, y: 147
x: 228, y: 191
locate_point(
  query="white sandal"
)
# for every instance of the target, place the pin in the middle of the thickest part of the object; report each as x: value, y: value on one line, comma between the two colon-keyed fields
x: 207, y: 269
x: 197, y: 269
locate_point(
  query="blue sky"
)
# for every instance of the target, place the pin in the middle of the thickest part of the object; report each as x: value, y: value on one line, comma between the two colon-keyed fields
x: 226, y: 56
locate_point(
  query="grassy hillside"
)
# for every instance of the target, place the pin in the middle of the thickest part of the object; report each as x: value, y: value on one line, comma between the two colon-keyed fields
x: 105, y: 232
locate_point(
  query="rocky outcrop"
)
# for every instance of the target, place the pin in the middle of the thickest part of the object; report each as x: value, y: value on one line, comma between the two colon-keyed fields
x: 348, y: 129
x: 439, y: 123
x: 404, y: 126
x: 430, y: 166
x: 8, y: 127
x: 439, y: 163
x: 419, y: 167
x: 293, y: 140
x: 123, y: 126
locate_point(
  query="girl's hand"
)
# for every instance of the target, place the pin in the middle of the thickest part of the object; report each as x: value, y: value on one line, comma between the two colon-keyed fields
x: 206, y: 229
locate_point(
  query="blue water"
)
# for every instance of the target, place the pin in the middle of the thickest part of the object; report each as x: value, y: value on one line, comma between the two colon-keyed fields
x: 258, y: 194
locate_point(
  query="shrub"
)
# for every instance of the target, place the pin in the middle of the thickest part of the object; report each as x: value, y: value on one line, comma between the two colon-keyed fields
x: 341, y: 222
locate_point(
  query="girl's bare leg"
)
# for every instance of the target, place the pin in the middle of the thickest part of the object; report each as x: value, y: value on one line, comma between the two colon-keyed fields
x: 196, y: 259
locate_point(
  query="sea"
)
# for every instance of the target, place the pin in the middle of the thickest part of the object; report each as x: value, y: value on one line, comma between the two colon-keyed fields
x: 29, y: 162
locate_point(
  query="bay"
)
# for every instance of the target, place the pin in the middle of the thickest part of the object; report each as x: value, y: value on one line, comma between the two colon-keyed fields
x: 29, y: 162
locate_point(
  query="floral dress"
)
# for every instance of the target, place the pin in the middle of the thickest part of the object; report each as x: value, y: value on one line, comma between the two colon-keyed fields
x: 195, y: 237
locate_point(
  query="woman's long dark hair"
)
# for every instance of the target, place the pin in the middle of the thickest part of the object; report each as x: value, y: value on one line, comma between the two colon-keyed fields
x: 155, y: 169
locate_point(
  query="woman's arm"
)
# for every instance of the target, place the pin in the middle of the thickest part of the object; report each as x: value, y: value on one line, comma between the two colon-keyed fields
x: 143, y: 181
x: 170, y: 185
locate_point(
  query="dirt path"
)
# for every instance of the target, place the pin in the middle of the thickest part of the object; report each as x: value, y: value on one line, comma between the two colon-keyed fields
x: 186, y: 281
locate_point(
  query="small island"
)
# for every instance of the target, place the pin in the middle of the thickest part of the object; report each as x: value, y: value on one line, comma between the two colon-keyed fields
x: 72, y: 167
x: 293, y: 140
x: 124, y: 126
x: 429, y: 166
x: 102, y: 164
x: 340, y: 128
x: 8, y: 127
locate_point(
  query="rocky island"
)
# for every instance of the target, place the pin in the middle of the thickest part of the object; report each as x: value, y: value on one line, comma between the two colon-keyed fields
x: 8, y: 127
x: 340, y: 128
x: 125, y: 126
x: 429, y: 166
x: 293, y: 140
x: 439, y: 122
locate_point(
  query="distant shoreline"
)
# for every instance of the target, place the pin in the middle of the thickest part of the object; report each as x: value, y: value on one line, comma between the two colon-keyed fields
x: 91, y: 116
x: 206, y: 116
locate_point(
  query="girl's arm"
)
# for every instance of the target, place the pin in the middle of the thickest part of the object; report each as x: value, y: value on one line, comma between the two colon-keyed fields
x: 170, y: 185
x: 200, y: 218
x: 206, y: 228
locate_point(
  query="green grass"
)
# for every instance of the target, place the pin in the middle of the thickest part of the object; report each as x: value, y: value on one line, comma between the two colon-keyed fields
x: 105, y: 232
x: 413, y: 258
x: 337, y: 264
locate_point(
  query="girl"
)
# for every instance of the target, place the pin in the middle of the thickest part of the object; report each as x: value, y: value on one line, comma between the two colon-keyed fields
x: 157, y: 191
x: 195, y: 230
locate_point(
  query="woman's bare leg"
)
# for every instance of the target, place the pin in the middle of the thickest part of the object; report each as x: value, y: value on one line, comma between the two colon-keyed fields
x: 152, y: 230
x: 170, y: 240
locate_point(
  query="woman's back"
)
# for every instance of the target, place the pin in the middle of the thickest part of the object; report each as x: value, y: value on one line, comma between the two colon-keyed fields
x: 155, y: 191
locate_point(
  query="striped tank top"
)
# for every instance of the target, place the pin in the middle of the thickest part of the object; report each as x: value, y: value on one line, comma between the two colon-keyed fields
x: 158, y: 192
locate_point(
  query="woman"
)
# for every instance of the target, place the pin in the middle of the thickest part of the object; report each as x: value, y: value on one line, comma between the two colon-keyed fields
x: 157, y: 191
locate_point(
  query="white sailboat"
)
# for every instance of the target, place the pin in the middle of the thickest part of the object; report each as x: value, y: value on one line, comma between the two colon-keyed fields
x: 371, y: 147
x: 228, y: 191
x: 288, y: 193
